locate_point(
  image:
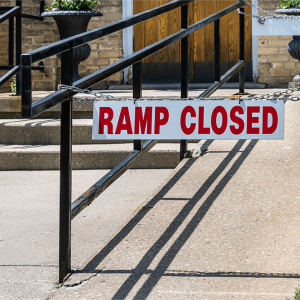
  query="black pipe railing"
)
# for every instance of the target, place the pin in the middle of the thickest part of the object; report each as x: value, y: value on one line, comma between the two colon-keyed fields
x: 30, y: 110
x: 10, y: 13
x: 69, y: 210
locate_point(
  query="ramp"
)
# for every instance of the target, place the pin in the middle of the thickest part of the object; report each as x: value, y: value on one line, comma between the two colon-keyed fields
x: 223, y: 226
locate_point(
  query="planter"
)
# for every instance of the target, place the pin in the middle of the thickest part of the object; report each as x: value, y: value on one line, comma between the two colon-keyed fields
x: 294, y: 45
x: 70, y: 23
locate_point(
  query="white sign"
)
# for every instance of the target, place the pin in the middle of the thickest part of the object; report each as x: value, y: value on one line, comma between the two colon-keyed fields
x: 276, y: 27
x: 195, y: 119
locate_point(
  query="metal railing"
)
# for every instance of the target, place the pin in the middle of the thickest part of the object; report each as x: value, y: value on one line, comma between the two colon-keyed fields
x: 69, y: 210
x: 15, y: 39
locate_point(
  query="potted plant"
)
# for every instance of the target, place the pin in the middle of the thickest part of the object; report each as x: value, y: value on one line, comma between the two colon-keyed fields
x: 291, y: 8
x: 72, y: 17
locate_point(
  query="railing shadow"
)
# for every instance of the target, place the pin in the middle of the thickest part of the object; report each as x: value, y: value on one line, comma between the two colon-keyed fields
x: 92, y: 265
x: 162, y: 267
x: 182, y: 273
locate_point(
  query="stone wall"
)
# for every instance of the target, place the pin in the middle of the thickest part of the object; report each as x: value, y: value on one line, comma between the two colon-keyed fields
x: 40, y: 33
x: 275, y: 66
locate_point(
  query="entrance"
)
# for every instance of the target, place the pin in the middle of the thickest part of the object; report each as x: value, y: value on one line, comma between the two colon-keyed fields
x: 164, y: 66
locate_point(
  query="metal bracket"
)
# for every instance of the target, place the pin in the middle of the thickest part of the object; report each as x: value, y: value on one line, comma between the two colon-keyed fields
x: 40, y: 67
x: 261, y: 20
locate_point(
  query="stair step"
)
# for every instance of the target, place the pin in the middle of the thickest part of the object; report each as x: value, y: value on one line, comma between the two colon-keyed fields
x: 92, y: 156
x: 47, y: 132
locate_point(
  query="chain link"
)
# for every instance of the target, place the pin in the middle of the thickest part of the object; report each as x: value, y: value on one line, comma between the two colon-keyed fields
x: 261, y: 19
x: 279, y: 95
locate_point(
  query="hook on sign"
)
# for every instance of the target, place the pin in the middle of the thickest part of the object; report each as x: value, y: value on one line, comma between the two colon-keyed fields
x: 261, y: 20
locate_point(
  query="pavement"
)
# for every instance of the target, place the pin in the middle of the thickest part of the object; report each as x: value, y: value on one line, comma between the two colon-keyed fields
x: 224, y: 225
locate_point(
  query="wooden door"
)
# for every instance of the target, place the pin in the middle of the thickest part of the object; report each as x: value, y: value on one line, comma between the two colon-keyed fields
x: 164, y: 66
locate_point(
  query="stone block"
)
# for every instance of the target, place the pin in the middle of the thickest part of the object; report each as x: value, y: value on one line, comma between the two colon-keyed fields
x: 289, y: 65
x: 91, y: 69
x: 281, y: 73
x: 101, y: 61
x: 32, y: 32
x: 110, y: 54
x: 44, y: 86
x: 278, y: 43
x: 264, y: 73
x: 51, y: 32
x: 267, y: 37
x: 50, y: 77
x: 38, y: 77
x: 94, y: 46
x: 262, y: 43
x: 283, y: 50
x: 265, y: 66
x: 267, y: 51
x: 278, y: 58
x: 262, y: 58
x: 294, y: 73
x: 117, y: 76
x: 45, y: 40
x: 277, y: 66
x: 109, y: 46
x: 27, y: 41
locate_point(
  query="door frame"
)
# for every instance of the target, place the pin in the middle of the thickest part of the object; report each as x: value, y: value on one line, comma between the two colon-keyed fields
x: 127, y: 9
x: 254, y: 44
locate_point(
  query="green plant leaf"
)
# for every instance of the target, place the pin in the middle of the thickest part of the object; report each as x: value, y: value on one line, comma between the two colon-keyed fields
x: 73, y: 4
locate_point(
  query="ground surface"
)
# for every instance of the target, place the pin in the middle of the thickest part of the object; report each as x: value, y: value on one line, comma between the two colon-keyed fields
x: 224, y: 227
x: 221, y: 226
x: 29, y: 224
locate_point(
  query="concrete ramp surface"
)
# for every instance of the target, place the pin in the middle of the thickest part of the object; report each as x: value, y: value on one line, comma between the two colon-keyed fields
x: 225, y: 225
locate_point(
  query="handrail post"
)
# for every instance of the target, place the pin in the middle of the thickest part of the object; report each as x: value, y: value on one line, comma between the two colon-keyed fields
x: 42, y: 6
x: 217, y: 46
x: 18, y: 45
x: 11, y: 34
x: 26, y: 88
x: 65, y: 171
x: 184, y: 68
x: 137, y: 94
x: 242, y: 51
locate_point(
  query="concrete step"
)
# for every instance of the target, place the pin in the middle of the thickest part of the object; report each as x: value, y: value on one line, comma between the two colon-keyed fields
x: 47, y: 132
x: 97, y: 156
x: 10, y: 106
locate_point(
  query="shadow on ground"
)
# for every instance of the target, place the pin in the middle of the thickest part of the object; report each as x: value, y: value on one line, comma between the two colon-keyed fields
x: 161, y: 269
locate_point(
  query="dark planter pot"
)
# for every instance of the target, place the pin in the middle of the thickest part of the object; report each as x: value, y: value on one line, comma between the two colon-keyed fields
x: 294, y: 45
x: 70, y: 23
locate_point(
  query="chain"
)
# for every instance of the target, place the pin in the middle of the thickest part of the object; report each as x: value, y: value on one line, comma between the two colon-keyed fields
x: 97, y: 96
x: 280, y: 95
x: 262, y: 19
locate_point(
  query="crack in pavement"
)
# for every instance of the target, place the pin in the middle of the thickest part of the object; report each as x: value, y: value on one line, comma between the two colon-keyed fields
x: 71, y: 285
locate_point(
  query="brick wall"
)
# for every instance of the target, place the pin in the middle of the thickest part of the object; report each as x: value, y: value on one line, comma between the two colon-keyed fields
x: 275, y: 66
x: 39, y: 33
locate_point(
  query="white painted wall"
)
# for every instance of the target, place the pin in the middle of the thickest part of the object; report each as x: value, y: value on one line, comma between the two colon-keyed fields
x: 127, y: 8
x: 255, y: 44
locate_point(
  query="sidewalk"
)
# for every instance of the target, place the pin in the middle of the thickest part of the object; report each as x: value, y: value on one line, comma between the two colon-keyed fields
x: 221, y: 226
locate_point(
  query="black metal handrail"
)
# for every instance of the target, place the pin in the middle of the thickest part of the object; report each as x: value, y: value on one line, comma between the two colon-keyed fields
x: 53, y: 99
x: 69, y: 210
x: 11, y: 12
